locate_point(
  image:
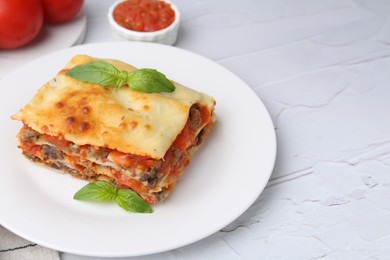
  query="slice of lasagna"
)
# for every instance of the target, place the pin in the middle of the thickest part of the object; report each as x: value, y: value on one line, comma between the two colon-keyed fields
x: 141, y: 141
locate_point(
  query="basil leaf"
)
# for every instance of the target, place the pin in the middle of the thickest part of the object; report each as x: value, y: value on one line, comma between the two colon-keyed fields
x: 103, y: 191
x: 105, y: 74
x: 130, y: 201
x: 98, y: 72
x: 149, y: 81
x: 96, y: 191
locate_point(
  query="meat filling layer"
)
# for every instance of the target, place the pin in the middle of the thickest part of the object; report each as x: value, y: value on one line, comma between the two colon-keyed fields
x: 152, y: 179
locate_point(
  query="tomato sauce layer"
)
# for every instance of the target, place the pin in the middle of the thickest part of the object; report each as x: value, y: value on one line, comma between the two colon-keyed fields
x: 144, y: 15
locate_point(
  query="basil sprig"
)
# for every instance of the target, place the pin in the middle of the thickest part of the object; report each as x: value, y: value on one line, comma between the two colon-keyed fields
x: 99, y: 191
x: 105, y: 74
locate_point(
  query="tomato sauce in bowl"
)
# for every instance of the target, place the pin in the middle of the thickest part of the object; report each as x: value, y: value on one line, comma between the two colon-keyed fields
x: 144, y: 15
x: 145, y: 20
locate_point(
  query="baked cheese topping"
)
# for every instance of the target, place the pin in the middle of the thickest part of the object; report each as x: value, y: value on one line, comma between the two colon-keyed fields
x: 118, y: 118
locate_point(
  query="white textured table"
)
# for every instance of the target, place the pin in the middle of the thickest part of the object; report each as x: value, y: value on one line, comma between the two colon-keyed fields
x: 322, y: 68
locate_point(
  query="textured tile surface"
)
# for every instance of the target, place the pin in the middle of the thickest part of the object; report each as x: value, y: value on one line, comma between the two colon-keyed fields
x: 322, y: 68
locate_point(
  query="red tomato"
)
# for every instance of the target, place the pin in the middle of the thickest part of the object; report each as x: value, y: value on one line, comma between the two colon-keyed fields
x: 60, y: 11
x: 20, y: 22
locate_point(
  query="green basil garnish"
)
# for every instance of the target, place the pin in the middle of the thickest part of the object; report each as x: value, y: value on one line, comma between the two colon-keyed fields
x: 105, y: 74
x: 103, y: 191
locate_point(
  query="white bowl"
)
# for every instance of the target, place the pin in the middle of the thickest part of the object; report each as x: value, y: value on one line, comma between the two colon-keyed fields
x: 167, y: 35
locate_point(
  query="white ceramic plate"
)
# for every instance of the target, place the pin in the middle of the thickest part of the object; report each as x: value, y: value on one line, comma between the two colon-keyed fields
x: 224, y: 178
x: 53, y: 37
